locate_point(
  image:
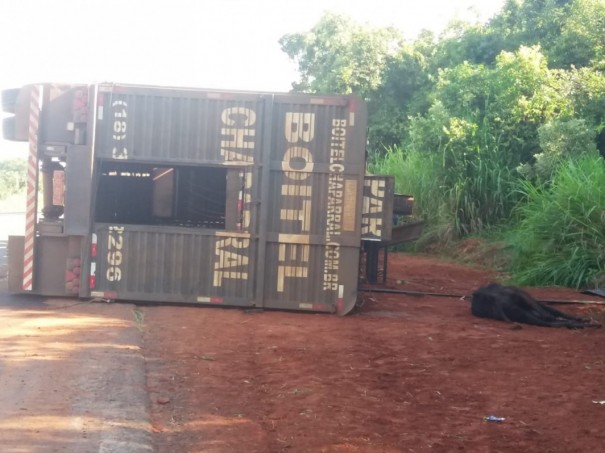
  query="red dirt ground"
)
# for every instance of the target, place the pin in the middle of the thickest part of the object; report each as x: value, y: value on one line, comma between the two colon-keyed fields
x: 403, y: 374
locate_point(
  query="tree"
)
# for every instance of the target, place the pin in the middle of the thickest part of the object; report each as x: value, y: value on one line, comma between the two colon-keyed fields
x: 580, y: 42
x: 340, y: 56
x: 403, y: 93
x: 568, y: 31
x: 531, y: 22
x: 473, y: 43
x: 504, y: 105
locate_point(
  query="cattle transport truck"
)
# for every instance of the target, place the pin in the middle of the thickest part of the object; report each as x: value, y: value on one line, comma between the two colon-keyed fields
x: 196, y: 196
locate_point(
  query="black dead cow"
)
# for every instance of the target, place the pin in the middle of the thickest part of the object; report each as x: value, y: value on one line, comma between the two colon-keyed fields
x: 507, y: 303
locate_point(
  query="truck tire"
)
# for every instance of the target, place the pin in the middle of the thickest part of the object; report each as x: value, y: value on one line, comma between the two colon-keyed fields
x: 9, y: 99
x: 8, y: 128
x: 10, y: 132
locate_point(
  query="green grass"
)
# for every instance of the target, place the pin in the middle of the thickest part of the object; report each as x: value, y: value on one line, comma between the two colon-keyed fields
x: 475, y: 195
x: 560, y: 238
x: 554, y: 233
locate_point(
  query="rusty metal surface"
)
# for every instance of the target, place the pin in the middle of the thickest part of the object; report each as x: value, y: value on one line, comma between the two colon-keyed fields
x: 313, y: 231
x: 58, y: 122
x: 403, y: 204
x: 51, y: 265
x: 295, y: 181
x: 407, y: 232
x: 169, y: 265
x: 78, y: 182
x: 187, y: 126
x: 15, y: 263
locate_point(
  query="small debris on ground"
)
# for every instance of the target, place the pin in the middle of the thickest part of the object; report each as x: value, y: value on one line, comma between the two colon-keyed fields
x: 493, y: 418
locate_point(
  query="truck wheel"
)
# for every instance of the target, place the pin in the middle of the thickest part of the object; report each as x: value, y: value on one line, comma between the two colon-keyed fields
x: 8, y: 128
x: 9, y: 99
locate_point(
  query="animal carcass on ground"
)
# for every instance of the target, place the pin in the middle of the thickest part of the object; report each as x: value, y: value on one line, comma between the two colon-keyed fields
x: 511, y: 304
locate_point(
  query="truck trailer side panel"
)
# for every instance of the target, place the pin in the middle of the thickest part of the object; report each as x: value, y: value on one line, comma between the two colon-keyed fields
x: 227, y: 198
x: 162, y: 264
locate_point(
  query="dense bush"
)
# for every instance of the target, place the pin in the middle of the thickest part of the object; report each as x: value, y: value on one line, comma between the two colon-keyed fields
x: 560, y: 236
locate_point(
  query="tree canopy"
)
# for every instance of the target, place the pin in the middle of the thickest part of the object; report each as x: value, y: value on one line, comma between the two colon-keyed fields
x: 401, y: 79
x: 339, y: 55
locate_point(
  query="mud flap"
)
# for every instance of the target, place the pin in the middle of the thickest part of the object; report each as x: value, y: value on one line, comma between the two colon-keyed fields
x: 15, y: 252
x: 346, y: 302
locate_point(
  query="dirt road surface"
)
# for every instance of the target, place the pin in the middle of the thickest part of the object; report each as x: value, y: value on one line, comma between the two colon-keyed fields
x: 72, y: 378
x: 72, y: 374
x: 402, y: 374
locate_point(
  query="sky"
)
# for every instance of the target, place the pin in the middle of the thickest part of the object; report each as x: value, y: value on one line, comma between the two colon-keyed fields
x: 225, y: 44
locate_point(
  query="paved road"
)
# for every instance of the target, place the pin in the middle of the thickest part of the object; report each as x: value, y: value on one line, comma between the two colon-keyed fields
x: 72, y: 375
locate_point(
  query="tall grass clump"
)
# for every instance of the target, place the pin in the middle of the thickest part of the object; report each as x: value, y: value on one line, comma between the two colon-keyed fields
x: 455, y: 200
x: 560, y: 238
x: 415, y: 174
x: 482, y: 194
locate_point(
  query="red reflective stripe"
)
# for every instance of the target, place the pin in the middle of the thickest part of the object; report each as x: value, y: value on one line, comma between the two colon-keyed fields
x: 210, y: 300
x: 32, y: 176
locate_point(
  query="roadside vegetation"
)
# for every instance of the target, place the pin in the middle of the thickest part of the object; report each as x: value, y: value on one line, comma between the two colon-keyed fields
x: 12, y: 177
x: 497, y: 129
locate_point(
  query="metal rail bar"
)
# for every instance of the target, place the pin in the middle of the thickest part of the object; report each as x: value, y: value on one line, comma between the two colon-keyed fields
x: 465, y: 297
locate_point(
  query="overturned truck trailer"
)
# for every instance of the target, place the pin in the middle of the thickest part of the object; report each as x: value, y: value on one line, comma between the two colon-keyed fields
x: 192, y: 196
